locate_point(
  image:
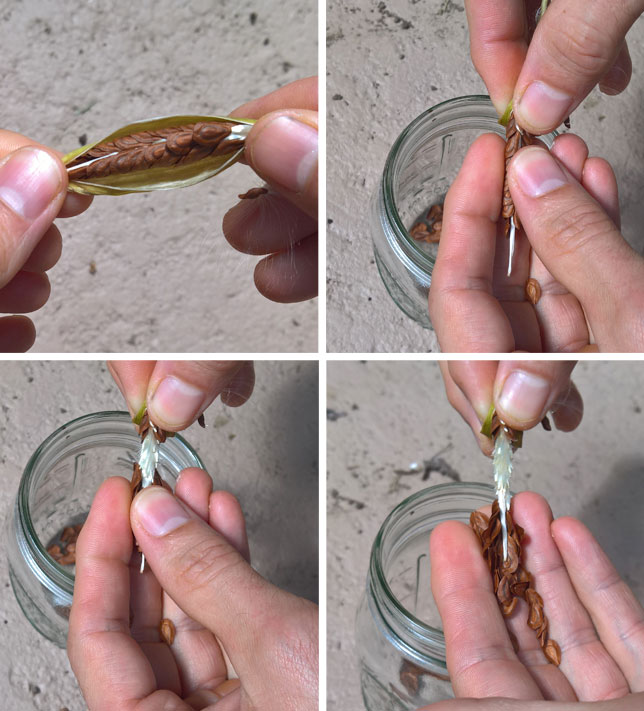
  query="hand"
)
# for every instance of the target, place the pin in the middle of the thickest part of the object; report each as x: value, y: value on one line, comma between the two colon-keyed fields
x: 593, y: 615
x: 575, y: 45
x: 197, y: 576
x: 282, y: 148
x: 591, y: 280
x: 177, y: 392
x: 33, y: 192
x: 523, y: 393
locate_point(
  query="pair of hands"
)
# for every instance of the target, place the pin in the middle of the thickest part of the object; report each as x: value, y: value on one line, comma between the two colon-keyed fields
x: 592, y: 281
x: 593, y: 615
x: 197, y: 575
x: 281, y: 148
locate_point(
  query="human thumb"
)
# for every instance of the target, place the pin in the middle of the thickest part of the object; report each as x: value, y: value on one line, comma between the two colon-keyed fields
x: 581, y: 247
x: 210, y: 580
x: 282, y: 148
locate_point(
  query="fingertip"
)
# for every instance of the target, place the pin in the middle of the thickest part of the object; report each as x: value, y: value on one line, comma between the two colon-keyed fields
x: 289, y: 276
x: 599, y: 180
x: 193, y: 487
x: 74, y: 204
x: 225, y: 515
x: 17, y: 334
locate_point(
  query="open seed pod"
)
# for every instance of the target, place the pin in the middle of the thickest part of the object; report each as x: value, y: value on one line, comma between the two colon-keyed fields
x: 157, y: 154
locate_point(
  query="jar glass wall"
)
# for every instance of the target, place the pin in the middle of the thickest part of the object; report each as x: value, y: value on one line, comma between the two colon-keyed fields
x: 399, y: 635
x: 419, y: 170
x: 56, y: 490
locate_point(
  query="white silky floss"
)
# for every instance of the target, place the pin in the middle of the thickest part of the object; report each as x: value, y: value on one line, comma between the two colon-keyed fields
x: 502, y: 472
x: 148, y: 460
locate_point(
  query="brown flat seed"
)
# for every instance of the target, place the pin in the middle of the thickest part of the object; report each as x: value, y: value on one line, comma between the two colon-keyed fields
x: 54, y: 551
x: 552, y: 652
x: 252, y: 193
x: 532, y: 291
x: 167, y: 630
x: 419, y: 231
x: 435, y: 212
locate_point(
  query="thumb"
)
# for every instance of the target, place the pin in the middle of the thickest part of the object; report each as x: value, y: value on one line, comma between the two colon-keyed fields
x: 209, y: 579
x: 282, y: 148
x: 581, y: 247
x: 32, y: 191
x: 576, y: 45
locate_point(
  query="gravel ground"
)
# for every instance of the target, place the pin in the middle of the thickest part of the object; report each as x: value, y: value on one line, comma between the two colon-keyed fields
x: 164, y: 278
x: 264, y: 452
x: 388, y: 62
x: 385, y: 415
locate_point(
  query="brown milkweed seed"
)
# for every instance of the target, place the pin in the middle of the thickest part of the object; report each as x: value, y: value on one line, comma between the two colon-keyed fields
x: 511, y: 579
x: 167, y: 630
x: 252, y: 193
x: 532, y: 291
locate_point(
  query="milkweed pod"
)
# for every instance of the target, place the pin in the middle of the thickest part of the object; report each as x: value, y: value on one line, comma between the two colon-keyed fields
x: 157, y: 154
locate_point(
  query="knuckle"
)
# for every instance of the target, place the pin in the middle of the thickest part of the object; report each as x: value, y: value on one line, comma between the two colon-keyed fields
x: 209, y: 563
x: 580, y: 228
x: 580, y: 47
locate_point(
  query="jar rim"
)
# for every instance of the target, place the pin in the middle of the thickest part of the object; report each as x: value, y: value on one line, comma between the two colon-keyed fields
x: 403, y: 618
x: 55, y: 572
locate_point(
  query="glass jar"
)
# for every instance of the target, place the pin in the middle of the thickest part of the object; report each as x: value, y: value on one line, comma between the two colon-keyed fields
x: 56, y: 490
x: 399, y: 636
x: 420, y: 168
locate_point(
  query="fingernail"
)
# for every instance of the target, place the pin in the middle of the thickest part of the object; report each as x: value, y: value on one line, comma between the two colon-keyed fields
x: 523, y: 396
x: 537, y: 172
x: 29, y: 181
x: 542, y: 108
x: 176, y: 403
x: 158, y: 511
x: 286, y: 151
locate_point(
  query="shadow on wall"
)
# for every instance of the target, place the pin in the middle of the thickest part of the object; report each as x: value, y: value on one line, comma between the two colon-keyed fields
x: 293, y: 490
x: 615, y: 518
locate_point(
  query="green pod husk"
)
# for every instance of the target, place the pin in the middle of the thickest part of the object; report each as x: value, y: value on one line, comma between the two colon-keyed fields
x: 149, y: 134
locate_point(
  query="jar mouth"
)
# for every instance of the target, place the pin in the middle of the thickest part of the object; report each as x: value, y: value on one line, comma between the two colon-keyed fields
x: 465, y: 112
x: 418, y: 515
x: 46, y: 568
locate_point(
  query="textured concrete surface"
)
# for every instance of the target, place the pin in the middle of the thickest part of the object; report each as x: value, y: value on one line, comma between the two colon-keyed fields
x: 386, y: 415
x: 387, y: 62
x: 264, y: 452
x: 166, y: 279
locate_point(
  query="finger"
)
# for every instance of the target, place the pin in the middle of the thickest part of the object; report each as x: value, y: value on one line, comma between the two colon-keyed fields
x: 480, y: 657
x: 561, y: 318
x: 26, y: 292
x: 579, y: 244
x: 572, y: 152
x: 599, y: 180
x: 46, y: 253
x: 300, y: 94
x: 213, y: 583
x: 291, y: 275
x: 179, y: 391
x: 109, y: 665
x: 282, y: 148
x: 240, y: 387
x: 568, y: 409
x: 618, y: 76
x: 467, y: 388
x: 464, y: 311
x: 17, y: 334
x: 73, y: 203
x: 32, y: 190
x: 589, y: 668
x: 132, y: 378
x: 524, y: 391
x: 226, y: 517
x: 615, y: 611
x: 269, y: 223
x: 498, y: 45
x: 198, y: 655
x: 575, y: 44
